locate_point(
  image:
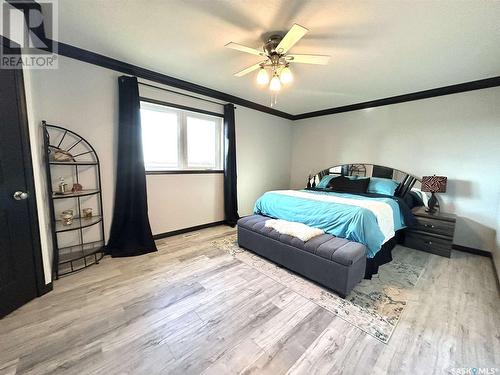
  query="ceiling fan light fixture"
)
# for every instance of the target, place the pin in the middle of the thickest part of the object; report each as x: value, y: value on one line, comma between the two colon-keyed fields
x: 274, y: 72
x: 275, y: 84
x: 262, y: 77
x: 286, y: 75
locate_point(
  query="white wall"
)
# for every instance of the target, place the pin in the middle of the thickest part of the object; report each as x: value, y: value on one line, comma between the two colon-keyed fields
x: 263, y: 148
x: 84, y: 98
x: 496, y: 250
x: 455, y: 135
x: 177, y: 201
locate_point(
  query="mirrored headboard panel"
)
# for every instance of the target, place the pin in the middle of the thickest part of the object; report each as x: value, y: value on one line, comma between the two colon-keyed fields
x: 406, y: 180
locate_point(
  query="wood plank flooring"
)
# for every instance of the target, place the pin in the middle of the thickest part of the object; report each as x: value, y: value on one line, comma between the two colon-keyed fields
x: 192, y: 309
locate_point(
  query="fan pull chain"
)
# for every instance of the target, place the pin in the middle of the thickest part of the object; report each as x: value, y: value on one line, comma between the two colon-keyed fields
x: 274, y: 99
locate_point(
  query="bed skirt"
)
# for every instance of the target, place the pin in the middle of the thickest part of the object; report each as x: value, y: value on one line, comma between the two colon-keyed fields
x: 383, y: 256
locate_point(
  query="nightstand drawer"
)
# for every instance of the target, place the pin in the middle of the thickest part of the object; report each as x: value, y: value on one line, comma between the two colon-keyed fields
x: 434, y: 244
x: 432, y: 225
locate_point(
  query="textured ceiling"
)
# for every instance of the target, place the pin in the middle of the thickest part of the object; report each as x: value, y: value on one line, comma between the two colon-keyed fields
x: 378, y: 48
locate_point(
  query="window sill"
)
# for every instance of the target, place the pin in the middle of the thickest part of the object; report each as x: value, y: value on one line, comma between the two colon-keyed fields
x: 187, y: 171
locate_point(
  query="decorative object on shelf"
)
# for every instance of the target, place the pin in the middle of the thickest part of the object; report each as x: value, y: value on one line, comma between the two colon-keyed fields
x: 87, y: 213
x: 67, y: 217
x: 277, y: 60
x: 63, y: 186
x: 309, y: 182
x: 87, y: 248
x: 76, y: 188
x: 61, y: 155
x: 433, y: 184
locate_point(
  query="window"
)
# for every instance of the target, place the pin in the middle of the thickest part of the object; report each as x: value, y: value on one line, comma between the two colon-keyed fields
x: 176, y: 139
x: 160, y: 129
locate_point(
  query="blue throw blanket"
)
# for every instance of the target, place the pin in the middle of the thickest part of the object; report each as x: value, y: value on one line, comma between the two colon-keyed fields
x: 341, y: 220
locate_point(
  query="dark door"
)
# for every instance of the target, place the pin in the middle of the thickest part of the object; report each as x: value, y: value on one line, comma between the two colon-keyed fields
x: 18, y: 242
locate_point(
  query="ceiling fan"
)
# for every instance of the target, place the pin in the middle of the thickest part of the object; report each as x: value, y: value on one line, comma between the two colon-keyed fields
x: 277, y: 59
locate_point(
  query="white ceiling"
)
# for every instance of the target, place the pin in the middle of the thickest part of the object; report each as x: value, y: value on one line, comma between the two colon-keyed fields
x: 378, y: 48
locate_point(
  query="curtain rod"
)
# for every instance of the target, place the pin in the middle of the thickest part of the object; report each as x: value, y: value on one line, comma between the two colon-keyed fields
x: 180, y: 93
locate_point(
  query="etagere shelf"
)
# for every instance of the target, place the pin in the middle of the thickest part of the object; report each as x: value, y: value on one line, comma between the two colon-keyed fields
x: 85, y: 246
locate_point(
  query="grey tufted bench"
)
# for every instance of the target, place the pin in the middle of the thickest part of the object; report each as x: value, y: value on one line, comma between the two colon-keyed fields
x: 337, y: 263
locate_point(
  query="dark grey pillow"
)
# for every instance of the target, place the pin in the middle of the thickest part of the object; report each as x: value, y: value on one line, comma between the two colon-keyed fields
x: 343, y: 184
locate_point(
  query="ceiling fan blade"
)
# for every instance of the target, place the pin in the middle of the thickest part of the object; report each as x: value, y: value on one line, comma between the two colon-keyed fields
x: 246, y: 49
x: 308, y: 59
x: 291, y: 37
x: 248, y: 70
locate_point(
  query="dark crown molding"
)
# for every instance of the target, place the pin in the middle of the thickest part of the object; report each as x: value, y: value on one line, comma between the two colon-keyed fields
x: 440, y: 91
x: 90, y: 57
x: 77, y: 53
x: 123, y: 67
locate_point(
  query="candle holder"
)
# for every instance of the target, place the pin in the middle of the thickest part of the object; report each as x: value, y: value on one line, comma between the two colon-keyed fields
x: 87, y: 213
x: 67, y: 217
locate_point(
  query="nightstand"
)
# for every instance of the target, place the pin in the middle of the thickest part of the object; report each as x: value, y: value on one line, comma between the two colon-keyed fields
x: 432, y: 232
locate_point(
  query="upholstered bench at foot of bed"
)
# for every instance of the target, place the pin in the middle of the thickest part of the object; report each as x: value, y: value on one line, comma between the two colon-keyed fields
x: 334, y: 262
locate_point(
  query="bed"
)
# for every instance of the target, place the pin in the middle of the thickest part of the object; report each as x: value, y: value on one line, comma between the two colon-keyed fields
x: 369, y: 217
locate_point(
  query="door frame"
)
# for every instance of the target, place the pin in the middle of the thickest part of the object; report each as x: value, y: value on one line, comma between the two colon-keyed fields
x: 41, y: 287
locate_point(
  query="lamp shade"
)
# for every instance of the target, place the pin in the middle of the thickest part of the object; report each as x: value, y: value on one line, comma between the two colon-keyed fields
x: 434, y: 184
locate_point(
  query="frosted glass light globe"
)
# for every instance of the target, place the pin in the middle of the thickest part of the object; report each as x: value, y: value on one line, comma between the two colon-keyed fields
x: 286, y: 75
x: 275, y: 84
x: 262, y: 77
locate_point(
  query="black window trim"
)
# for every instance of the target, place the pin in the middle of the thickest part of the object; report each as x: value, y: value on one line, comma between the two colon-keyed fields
x: 186, y: 171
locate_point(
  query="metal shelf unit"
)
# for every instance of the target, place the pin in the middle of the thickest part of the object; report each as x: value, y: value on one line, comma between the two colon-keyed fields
x: 69, y: 258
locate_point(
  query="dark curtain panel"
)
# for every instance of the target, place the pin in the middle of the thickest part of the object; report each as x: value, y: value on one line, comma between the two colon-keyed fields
x: 130, y: 230
x: 230, y: 196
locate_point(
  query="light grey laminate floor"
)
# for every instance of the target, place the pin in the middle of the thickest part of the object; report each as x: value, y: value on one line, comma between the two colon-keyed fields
x: 192, y: 309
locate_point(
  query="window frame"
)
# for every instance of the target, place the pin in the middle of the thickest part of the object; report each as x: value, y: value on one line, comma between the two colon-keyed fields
x: 183, y: 112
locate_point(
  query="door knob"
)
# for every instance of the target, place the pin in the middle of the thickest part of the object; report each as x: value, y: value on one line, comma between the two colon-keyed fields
x: 20, y: 195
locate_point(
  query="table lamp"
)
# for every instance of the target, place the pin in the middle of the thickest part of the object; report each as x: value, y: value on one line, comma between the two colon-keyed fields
x: 433, y: 184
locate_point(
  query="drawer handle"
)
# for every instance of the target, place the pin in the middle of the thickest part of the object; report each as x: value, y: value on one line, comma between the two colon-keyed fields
x: 429, y: 225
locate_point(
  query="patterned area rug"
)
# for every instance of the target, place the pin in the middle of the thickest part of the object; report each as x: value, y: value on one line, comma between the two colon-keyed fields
x: 374, y: 306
